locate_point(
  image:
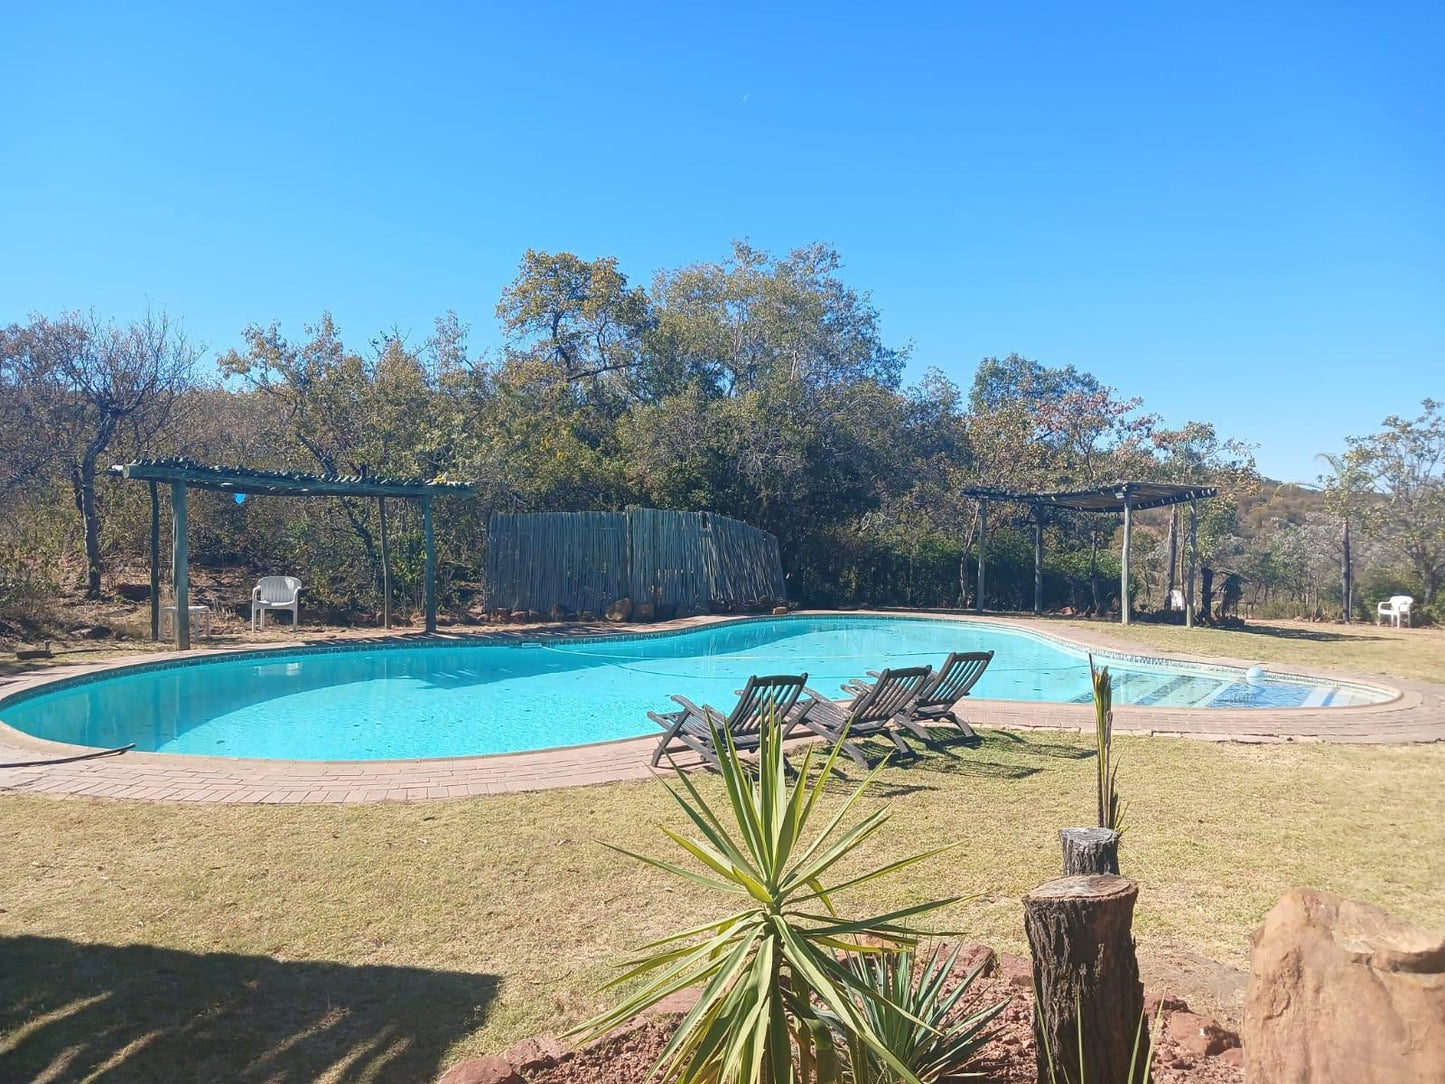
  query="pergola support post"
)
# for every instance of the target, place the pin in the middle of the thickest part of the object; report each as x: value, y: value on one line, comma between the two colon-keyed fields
x: 155, y: 561
x: 982, y: 546
x: 431, y: 565
x: 1124, y: 563
x: 180, y: 572
x: 385, y: 567
x: 1038, y: 560
x: 1193, y: 551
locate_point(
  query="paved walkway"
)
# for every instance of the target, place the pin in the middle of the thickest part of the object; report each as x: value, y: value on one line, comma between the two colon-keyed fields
x: 1417, y: 715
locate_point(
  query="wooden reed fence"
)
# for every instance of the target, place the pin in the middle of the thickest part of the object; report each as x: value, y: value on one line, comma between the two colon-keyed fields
x: 587, y: 560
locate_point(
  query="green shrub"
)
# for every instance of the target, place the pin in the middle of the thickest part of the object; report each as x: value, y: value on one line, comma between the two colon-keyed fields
x: 775, y: 993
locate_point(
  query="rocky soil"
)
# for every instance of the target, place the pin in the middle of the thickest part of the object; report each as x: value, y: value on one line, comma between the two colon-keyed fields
x: 1190, y: 1048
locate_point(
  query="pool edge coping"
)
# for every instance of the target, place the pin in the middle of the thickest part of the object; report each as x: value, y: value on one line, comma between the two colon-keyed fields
x: 1263, y: 723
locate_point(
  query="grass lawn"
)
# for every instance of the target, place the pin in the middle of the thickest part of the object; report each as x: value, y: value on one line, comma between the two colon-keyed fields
x: 180, y: 943
x: 1361, y: 649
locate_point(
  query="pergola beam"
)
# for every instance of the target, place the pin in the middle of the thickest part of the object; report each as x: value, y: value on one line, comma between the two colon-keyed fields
x: 431, y: 565
x: 1119, y: 497
x: 285, y: 484
x: 982, y: 546
x: 1038, y: 560
x: 180, y: 569
x: 1124, y: 562
x: 183, y: 474
x: 155, y: 561
x: 1193, y: 552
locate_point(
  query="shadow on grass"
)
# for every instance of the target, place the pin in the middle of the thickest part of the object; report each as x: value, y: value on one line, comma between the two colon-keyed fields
x: 71, y: 1012
x: 1037, y: 747
x: 956, y: 755
x: 1322, y: 636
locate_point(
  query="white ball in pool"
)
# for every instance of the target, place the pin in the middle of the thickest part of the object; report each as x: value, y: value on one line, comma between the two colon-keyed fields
x: 1254, y: 675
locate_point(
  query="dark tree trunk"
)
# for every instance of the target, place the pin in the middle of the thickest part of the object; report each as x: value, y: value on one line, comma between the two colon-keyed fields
x: 1086, y: 979
x: 82, y: 480
x: 1089, y: 850
x: 1206, y: 595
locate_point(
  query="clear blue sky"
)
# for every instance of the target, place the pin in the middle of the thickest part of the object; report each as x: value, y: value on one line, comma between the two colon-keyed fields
x: 1236, y: 212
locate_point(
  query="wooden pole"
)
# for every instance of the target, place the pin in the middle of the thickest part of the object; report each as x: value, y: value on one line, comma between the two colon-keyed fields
x: 180, y: 573
x: 385, y: 567
x: 1189, y: 581
x: 982, y: 545
x: 1038, y: 560
x: 431, y: 565
x: 155, y: 560
x: 1347, y: 578
x: 1171, y: 575
x: 1089, y: 850
x: 1124, y: 564
x: 1086, y: 979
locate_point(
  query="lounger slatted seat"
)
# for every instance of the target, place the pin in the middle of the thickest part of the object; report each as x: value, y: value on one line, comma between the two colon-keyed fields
x: 762, y: 699
x: 950, y: 683
x: 876, y: 711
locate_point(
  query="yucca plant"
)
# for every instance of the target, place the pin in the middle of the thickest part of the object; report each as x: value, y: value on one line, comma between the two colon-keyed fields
x: 774, y: 988
x: 934, y: 1031
x: 1111, y: 814
x: 1141, y: 1054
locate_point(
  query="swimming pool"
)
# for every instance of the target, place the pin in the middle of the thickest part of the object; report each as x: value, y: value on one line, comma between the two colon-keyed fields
x: 366, y: 702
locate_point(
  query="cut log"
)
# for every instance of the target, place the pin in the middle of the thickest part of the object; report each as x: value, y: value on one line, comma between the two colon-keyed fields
x: 1086, y: 981
x: 1089, y: 850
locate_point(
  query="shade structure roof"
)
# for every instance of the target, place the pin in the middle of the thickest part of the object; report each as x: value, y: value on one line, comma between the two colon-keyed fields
x: 1110, y: 498
x: 286, y: 483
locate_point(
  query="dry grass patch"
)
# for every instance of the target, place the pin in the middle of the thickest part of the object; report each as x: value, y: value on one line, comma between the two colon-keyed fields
x: 379, y: 942
x: 1418, y: 654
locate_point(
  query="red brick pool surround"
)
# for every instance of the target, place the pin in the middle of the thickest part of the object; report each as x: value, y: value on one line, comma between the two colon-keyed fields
x: 1415, y: 714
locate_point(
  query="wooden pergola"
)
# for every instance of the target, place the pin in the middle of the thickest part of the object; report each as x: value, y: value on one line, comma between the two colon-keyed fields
x: 1125, y: 497
x: 184, y: 474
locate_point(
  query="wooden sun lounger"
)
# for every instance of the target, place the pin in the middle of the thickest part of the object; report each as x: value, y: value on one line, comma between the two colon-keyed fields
x: 763, y: 699
x: 950, y: 683
x: 876, y: 711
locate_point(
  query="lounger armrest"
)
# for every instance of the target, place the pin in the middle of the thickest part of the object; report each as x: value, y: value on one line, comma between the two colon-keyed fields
x: 690, y: 707
x: 822, y: 704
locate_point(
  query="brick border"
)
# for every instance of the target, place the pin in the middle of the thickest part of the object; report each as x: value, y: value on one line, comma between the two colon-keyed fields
x: 1415, y: 714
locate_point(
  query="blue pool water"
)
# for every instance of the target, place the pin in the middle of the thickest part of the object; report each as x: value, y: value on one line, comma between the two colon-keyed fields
x: 379, y: 703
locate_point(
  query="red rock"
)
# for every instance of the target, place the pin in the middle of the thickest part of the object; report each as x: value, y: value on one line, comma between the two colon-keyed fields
x: 538, y: 1052
x: 1341, y: 992
x: 1233, y: 1056
x: 972, y: 956
x: 1153, y: 1002
x: 488, y: 1070
x: 1199, y: 1035
x: 1017, y: 971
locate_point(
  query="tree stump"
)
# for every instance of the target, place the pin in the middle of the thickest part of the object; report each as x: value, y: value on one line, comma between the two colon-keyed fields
x: 1086, y: 978
x: 1090, y: 850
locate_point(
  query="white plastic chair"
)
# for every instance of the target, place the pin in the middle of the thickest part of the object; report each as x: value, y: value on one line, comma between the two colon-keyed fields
x: 1398, y: 607
x: 276, y: 593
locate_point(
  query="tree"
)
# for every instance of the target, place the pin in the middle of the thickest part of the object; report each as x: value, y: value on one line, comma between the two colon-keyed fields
x: 1407, y: 462
x: 93, y: 382
x: 1195, y: 453
x: 1347, y: 490
x: 349, y: 413
x: 577, y: 317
